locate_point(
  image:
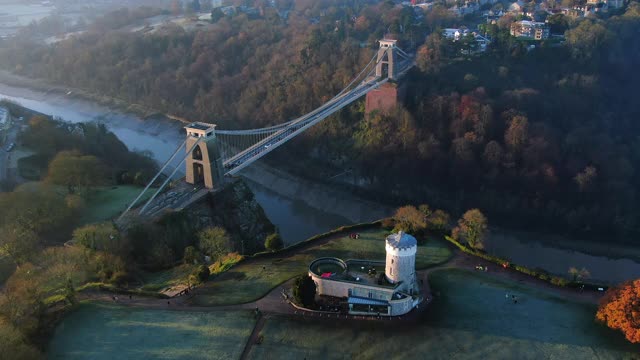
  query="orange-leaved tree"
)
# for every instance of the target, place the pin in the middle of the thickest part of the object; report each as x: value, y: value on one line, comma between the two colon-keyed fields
x: 620, y: 309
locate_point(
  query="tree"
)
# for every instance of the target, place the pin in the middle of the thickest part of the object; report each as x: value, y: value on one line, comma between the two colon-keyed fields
x: 586, y: 179
x: 438, y: 221
x: 472, y: 228
x: 18, y: 243
x: 199, y: 275
x: 410, y: 220
x: 273, y: 242
x: 73, y: 169
x: 216, y: 15
x: 429, y: 57
x: 304, y: 291
x: 516, y: 135
x: 619, y: 309
x: 578, y: 275
x: 102, y: 237
x: 214, y: 241
x: 587, y: 39
x: 191, y: 255
x: 14, y: 343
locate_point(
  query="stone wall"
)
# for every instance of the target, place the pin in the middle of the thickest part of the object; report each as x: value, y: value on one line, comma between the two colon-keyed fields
x: 385, y: 98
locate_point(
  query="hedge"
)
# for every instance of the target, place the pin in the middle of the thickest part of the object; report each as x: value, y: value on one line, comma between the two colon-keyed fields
x: 537, y: 273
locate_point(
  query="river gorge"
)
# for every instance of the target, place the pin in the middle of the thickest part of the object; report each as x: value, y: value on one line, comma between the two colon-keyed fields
x: 301, y: 208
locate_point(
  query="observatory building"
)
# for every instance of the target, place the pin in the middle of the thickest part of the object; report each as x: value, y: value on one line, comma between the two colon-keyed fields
x: 386, y: 288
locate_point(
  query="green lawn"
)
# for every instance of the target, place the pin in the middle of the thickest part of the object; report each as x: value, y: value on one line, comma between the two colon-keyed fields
x: 112, y: 332
x: 106, y: 203
x: 253, y: 279
x: 470, y: 320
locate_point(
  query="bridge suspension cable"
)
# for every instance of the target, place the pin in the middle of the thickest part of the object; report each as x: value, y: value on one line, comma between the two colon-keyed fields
x: 153, y: 180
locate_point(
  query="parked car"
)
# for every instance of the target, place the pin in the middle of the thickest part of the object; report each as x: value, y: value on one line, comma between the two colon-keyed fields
x: 10, y: 147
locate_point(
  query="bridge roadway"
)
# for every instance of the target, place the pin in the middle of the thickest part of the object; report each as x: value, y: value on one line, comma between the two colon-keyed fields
x: 255, y: 152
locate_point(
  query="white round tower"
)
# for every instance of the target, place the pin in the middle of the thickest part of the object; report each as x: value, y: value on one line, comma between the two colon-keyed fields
x: 401, y: 259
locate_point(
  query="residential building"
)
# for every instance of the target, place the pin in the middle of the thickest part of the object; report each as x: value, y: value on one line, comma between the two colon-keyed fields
x: 530, y: 30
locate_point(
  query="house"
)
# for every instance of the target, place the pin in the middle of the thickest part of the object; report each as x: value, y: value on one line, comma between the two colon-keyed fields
x: 530, y: 30
x: 457, y: 34
x: 454, y: 34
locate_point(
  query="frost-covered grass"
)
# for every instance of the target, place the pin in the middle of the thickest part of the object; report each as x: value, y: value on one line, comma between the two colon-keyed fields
x: 470, y: 320
x: 113, y: 332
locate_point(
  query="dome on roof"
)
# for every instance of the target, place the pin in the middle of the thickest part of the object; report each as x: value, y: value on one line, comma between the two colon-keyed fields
x: 401, y: 240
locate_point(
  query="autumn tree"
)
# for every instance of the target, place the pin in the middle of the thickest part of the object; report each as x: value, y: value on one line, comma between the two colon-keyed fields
x: 18, y: 243
x: 619, y: 309
x: 472, y: 228
x: 410, y: 220
x: 517, y: 133
x: 13, y: 342
x: 214, y: 241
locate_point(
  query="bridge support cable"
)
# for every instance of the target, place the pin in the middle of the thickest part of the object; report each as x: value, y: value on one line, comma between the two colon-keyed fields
x: 166, y: 181
x: 164, y: 166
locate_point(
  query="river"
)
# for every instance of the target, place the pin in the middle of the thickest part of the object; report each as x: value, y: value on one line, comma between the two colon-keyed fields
x: 300, y: 208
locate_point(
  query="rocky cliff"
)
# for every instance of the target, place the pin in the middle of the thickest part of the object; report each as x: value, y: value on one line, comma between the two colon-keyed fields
x: 235, y: 209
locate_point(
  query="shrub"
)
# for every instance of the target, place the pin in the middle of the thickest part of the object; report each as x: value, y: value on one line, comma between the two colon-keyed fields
x: 199, y: 275
x: 120, y: 278
x: 559, y: 281
x: 273, y: 242
x: 304, y: 291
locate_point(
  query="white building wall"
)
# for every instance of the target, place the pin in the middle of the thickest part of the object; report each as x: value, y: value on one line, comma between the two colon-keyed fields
x: 401, y: 266
x: 341, y: 289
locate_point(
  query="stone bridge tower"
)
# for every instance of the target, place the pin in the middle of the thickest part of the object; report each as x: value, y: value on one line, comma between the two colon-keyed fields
x: 387, y: 59
x: 203, y: 162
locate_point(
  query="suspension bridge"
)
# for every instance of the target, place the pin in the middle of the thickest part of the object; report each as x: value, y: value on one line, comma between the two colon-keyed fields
x: 212, y: 154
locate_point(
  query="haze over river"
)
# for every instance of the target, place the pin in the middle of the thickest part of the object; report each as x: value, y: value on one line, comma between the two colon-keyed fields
x: 300, y: 208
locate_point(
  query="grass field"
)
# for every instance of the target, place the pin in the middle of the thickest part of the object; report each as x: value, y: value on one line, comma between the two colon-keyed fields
x: 470, y: 320
x: 111, y: 332
x: 107, y: 202
x: 252, y: 279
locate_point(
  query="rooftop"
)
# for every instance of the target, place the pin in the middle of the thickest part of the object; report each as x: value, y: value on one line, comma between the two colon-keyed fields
x: 365, y: 272
x: 200, y: 126
x: 401, y: 240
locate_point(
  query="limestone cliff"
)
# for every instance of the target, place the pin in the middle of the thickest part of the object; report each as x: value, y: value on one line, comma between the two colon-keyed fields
x: 235, y: 209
